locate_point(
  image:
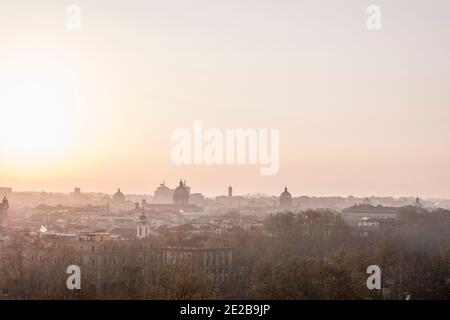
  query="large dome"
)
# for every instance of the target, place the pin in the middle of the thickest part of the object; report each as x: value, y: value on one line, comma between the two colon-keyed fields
x: 285, y: 198
x: 119, y: 196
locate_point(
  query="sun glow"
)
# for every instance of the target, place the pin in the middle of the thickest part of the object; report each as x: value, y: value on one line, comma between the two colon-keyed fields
x: 37, y: 113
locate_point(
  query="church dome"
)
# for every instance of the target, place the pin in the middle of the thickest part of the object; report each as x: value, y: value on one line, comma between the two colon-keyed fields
x: 181, y: 194
x: 119, y: 196
x: 285, y: 198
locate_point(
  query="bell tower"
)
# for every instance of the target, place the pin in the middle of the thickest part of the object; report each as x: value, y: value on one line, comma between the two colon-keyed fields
x: 143, y: 228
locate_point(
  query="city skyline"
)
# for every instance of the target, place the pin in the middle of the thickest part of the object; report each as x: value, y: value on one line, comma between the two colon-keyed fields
x: 360, y: 112
x: 233, y: 157
x: 197, y: 190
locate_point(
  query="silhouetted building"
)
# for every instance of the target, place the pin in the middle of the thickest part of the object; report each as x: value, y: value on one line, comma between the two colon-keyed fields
x: 197, y: 199
x: 230, y: 191
x: 119, y: 196
x: 181, y: 194
x: 353, y: 215
x: 418, y: 204
x: 163, y: 194
x: 285, y: 199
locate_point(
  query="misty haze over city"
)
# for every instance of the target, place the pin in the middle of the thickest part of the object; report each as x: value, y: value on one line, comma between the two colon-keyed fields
x: 215, y: 151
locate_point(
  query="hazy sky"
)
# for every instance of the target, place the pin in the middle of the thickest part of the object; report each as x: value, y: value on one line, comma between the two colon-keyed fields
x: 360, y: 112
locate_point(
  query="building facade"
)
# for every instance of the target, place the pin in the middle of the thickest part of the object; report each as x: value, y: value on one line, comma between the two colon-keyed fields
x: 108, y: 264
x: 163, y: 194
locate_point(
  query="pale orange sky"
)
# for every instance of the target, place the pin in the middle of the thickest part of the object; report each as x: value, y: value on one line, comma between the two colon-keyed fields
x: 360, y: 112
